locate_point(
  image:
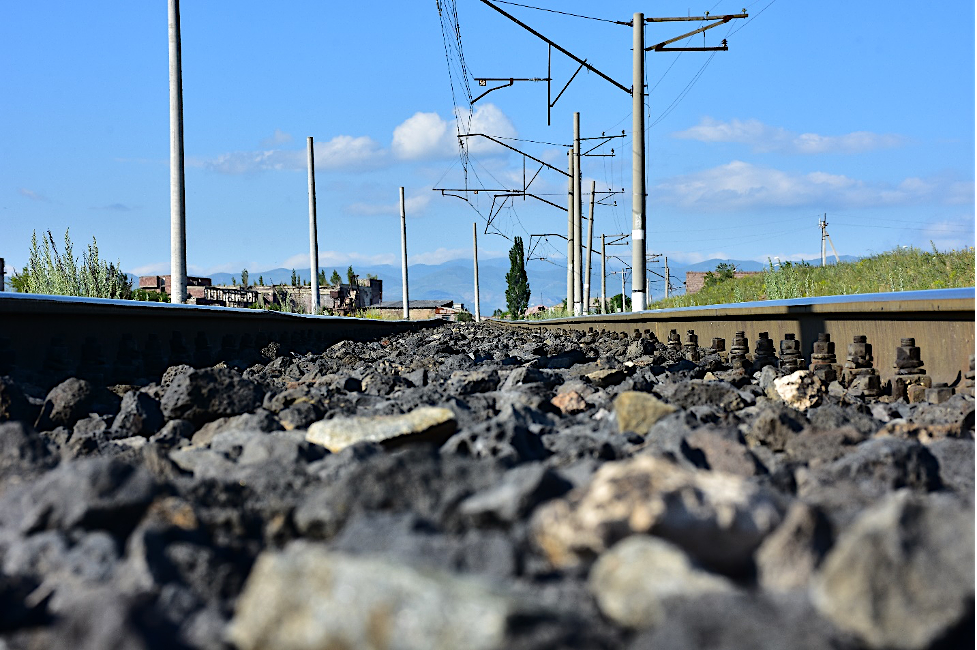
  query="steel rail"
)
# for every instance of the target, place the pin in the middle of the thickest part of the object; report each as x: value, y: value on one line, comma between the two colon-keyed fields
x: 45, y: 335
x: 941, y: 321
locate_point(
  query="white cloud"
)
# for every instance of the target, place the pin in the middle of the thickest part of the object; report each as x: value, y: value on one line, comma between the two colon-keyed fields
x: 339, y: 258
x: 33, y: 196
x: 739, y: 185
x: 413, y: 205
x: 156, y: 268
x: 440, y: 256
x: 428, y: 135
x: 419, y: 137
x: 763, y: 137
x: 947, y: 235
x: 115, y: 207
x: 423, y: 135
x: 342, y: 152
x: 275, y: 139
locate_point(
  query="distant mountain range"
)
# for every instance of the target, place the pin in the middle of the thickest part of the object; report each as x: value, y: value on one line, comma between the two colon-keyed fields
x: 453, y: 280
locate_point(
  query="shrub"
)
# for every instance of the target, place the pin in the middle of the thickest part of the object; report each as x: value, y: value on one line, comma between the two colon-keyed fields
x: 51, y: 272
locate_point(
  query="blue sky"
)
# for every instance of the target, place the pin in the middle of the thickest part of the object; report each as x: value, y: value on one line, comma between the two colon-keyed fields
x: 862, y: 110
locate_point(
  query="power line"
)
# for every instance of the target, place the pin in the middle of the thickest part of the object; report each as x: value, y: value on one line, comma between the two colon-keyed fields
x: 753, y: 17
x: 681, y: 95
x: 565, y: 13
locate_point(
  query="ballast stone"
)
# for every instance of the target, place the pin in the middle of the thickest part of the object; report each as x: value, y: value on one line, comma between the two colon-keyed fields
x: 307, y: 597
x: 719, y: 519
x: 639, y: 411
x: 425, y: 424
x: 633, y: 580
x: 902, y: 574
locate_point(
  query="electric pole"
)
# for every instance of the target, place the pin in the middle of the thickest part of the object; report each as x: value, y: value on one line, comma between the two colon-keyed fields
x: 178, y: 210
x: 478, y: 313
x: 668, y: 280
x: 826, y: 237
x: 590, y: 248
x: 603, y: 274
x: 638, y: 247
x: 637, y: 92
x: 403, y: 253
x: 624, y: 289
x: 570, y: 203
x: 577, y: 215
x: 313, y: 238
x: 823, y: 223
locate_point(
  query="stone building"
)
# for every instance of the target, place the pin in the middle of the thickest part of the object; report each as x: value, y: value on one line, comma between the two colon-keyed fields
x: 158, y: 283
x: 229, y: 296
x: 423, y: 309
x: 695, y: 280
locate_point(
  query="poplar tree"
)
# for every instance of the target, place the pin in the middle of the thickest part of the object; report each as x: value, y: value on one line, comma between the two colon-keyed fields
x: 517, y: 282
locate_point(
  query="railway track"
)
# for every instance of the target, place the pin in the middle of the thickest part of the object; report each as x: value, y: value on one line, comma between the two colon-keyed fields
x: 941, y: 321
x: 121, y: 341
x: 519, y: 484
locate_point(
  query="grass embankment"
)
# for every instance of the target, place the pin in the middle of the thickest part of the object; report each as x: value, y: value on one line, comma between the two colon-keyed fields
x: 904, y: 269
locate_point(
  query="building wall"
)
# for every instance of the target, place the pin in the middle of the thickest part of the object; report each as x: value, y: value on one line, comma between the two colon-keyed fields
x: 195, y: 285
x: 695, y: 280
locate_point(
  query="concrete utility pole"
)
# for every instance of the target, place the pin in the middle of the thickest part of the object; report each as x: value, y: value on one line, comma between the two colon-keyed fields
x: 313, y: 237
x: 668, y: 280
x: 178, y: 210
x: 478, y: 313
x: 826, y: 237
x: 637, y: 163
x: 570, y: 203
x: 637, y: 93
x: 603, y: 274
x: 623, y: 289
x: 403, y: 253
x: 577, y: 222
x: 590, y: 249
x: 822, y: 223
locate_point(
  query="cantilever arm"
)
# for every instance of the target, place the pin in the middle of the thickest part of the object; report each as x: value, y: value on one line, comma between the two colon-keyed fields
x: 719, y: 20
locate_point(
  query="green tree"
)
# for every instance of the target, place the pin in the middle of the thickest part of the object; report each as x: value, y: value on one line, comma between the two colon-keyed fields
x: 350, y: 275
x: 19, y: 282
x: 335, y: 280
x: 244, y: 278
x: 295, y: 278
x: 724, y: 271
x: 321, y: 277
x: 261, y: 280
x: 614, y: 303
x: 233, y: 280
x: 517, y: 282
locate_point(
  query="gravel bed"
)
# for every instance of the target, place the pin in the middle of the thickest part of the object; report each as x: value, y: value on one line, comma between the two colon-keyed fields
x: 483, y: 487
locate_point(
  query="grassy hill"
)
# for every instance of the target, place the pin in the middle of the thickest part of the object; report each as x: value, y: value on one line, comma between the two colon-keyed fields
x: 904, y: 269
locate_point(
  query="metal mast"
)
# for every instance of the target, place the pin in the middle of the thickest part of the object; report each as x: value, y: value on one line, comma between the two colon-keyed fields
x: 178, y: 210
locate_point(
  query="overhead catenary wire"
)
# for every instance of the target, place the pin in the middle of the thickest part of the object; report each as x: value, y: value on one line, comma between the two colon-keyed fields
x: 564, y: 13
x: 753, y: 17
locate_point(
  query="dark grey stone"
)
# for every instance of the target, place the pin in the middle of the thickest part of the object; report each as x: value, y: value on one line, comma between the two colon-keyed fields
x: 67, y: 403
x: 139, y: 415
x: 94, y: 494
x: 204, y: 395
